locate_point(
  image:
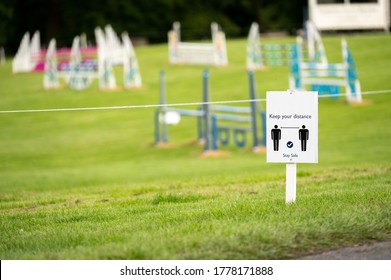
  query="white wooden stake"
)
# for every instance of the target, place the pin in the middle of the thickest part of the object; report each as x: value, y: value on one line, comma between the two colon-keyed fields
x: 290, y: 183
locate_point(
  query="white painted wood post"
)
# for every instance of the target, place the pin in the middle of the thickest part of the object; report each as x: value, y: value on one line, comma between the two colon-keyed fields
x: 290, y: 196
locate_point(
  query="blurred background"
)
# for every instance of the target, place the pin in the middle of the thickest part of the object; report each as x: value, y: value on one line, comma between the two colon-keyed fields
x: 146, y: 21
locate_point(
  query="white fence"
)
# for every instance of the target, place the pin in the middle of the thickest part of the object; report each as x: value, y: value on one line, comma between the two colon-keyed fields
x: 326, y: 78
x: 214, y: 53
x: 79, y: 73
x: 28, y: 54
x: 259, y: 55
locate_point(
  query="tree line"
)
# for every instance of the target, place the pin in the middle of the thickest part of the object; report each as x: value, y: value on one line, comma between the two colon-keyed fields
x: 149, y: 19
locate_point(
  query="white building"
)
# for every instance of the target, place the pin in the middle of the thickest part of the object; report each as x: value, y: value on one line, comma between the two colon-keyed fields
x: 350, y: 14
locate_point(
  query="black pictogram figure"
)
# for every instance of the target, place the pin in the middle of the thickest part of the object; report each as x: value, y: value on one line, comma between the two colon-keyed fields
x: 303, y: 137
x: 276, y: 136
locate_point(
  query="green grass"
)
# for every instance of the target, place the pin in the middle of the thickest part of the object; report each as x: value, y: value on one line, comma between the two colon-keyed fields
x: 91, y: 185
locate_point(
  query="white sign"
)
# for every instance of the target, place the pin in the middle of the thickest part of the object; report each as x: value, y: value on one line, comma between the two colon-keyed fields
x: 292, y: 127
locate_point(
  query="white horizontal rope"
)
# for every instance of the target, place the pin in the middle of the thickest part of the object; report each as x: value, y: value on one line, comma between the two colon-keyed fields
x: 363, y: 93
x: 134, y: 106
x: 169, y: 105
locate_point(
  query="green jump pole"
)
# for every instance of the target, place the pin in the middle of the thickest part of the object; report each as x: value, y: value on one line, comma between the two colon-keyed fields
x: 206, y: 107
x: 162, y: 100
x: 253, y: 111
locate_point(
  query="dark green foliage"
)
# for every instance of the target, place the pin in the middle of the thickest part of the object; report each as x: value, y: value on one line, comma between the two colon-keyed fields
x: 64, y: 19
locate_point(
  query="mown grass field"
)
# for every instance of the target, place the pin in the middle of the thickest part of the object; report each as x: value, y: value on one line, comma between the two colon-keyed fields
x: 91, y: 184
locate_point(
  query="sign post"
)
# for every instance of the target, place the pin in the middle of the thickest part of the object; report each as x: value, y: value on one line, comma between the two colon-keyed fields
x: 290, y: 195
x: 292, y: 132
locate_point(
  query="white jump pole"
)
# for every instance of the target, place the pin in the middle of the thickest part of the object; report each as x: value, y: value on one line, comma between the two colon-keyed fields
x: 290, y: 196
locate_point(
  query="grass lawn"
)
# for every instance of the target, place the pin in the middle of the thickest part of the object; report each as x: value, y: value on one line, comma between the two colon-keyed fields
x: 91, y: 184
